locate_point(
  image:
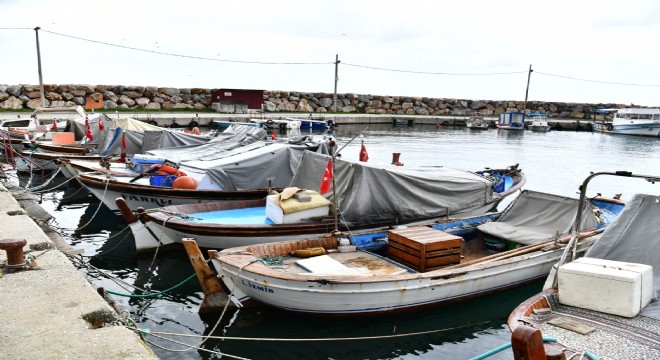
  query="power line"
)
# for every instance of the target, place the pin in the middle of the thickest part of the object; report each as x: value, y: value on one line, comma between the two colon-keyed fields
x: 593, y: 81
x: 187, y: 56
x: 329, y: 62
x: 435, y: 73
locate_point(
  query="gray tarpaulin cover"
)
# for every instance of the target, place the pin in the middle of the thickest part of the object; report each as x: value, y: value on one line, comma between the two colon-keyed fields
x: 634, y: 236
x: 140, y: 137
x: 534, y: 217
x: 218, y: 147
x: 253, y: 166
x: 372, y: 194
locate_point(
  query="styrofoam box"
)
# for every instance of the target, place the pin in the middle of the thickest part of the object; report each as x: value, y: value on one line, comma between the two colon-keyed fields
x: 613, y: 287
x: 275, y: 214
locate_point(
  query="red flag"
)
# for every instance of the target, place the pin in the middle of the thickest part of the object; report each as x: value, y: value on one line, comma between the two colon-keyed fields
x: 101, y: 127
x: 273, y: 136
x: 123, y: 141
x: 327, y: 177
x: 54, y: 126
x: 364, y: 156
x: 88, y: 130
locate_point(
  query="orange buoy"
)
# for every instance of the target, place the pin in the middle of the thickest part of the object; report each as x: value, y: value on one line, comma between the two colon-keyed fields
x: 184, y: 182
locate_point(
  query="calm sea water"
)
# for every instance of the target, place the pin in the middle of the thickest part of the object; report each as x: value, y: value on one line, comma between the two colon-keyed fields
x: 555, y: 162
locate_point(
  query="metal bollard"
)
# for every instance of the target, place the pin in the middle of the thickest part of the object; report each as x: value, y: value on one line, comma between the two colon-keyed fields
x: 14, y: 248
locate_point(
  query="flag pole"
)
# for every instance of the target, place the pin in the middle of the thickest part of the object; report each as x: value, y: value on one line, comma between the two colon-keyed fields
x: 334, y: 193
x: 333, y: 155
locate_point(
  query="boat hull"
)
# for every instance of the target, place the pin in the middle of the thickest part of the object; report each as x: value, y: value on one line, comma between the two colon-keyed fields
x: 333, y: 295
x: 158, y: 229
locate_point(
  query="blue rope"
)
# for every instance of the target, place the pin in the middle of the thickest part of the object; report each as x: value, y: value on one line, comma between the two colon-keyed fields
x: 504, y: 347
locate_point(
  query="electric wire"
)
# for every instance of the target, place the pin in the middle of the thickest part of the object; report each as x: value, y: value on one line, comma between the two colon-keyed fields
x: 594, y: 81
x: 435, y: 73
x: 185, y: 56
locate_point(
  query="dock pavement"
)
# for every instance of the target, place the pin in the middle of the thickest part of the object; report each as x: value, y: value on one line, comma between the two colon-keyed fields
x: 49, y: 310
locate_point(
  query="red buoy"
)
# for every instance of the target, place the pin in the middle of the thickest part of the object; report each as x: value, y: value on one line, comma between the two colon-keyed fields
x: 184, y: 182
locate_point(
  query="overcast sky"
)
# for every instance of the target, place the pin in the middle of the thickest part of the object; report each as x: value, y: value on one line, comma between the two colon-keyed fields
x: 600, y: 41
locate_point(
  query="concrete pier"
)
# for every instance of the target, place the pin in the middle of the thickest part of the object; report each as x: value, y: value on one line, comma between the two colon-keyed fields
x: 48, y: 310
x: 187, y: 119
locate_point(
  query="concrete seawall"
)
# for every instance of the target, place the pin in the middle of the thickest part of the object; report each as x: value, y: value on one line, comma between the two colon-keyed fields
x: 49, y: 310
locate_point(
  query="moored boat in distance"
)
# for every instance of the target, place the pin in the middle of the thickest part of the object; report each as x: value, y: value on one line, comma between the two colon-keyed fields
x: 630, y: 121
x: 406, y: 268
x: 511, y: 120
x: 603, y: 305
x: 539, y: 122
x: 477, y: 123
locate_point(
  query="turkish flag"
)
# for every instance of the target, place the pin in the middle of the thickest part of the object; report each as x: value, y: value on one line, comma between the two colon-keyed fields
x: 54, y: 127
x: 363, y: 154
x: 327, y: 178
x: 88, y: 130
x: 123, y: 141
x: 101, y: 127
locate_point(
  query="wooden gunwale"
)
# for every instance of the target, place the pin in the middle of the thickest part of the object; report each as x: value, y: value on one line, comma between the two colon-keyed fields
x: 68, y: 149
x: 57, y: 156
x: 526, y: 308
x: 114, y: 185
x: 243, y: 258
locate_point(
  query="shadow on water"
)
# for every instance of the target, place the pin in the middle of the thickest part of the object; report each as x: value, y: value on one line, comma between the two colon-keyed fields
x: 443, y: 325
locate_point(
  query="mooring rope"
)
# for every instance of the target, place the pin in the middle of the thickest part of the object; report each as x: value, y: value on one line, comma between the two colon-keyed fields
x: 45, y: 183
x: 191, y: 347
x: 107, y: 181
x: 152, y: 294
x: 354, y: 338
x: 106, y: 239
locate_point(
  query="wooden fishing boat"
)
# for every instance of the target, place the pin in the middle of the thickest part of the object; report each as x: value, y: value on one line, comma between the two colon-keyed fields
x: 48, y: 160
x: 441, y: 193
x: 601, y: 305
x: 241, y: 173
x: 406, y: 268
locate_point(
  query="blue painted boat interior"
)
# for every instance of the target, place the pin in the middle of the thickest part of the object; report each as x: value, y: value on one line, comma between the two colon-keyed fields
x: 608, y: 211
x: 247, y: 216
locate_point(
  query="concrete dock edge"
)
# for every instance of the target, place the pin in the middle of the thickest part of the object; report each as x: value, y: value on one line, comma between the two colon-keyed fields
x: 52, y: 311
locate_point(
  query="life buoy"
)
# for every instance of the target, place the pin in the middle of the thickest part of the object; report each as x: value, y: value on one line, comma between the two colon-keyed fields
x: 166, y: 170
x: 609, y: 127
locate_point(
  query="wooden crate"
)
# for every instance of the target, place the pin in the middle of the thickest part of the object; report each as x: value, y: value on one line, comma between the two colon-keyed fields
x: 423, y: 248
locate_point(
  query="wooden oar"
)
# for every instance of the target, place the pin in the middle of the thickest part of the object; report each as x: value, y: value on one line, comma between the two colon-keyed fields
x: 523, y: 250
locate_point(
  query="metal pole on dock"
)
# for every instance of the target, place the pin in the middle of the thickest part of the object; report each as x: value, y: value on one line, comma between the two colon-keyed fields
x: 334, y: 96
x: 41, y: 81
x: 529, y: 75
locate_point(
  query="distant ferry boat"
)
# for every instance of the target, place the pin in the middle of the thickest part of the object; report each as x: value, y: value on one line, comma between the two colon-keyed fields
x: 631, y: 121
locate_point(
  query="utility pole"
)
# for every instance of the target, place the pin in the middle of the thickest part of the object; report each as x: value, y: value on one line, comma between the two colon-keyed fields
x: 334, y: 97
x: 41, y: 81
x: 529, y: 75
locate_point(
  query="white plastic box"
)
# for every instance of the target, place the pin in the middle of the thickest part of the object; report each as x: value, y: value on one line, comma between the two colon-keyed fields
x: 276, y: 215
x: 612, y: 287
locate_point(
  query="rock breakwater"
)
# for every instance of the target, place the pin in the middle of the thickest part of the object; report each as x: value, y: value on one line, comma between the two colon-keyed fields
x: 120, y: 97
